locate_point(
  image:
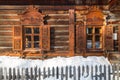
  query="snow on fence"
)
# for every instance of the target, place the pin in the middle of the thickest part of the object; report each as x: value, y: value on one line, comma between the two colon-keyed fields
x: 84, y: 72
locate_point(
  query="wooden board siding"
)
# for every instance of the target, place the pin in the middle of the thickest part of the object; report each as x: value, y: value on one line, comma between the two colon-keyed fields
x: 8, y: 18
x: 59, y: 31
x: 58, y: 21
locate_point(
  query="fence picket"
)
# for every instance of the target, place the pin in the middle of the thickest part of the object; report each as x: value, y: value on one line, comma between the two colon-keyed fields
x: 74, y: 72
x: 26, y: 74
x: 79, y: 73
x: 62, y: 75
x: 117, y: 74
x: 109, y: 72
x: 35, y: 73
x: 31, y: 73
x: 18, y: 74
x: 10, y: 74
x: 49, y: 72
x: 39, y: 74
x: 53, y: 71
x: 97, y: 72
x: 44, y: 73
x: 14, y: 74
x: 5, y: 73
x: 1, y: 73
x: 57, y: 73
x: 92, y: 72
x: 66, y: 72
x: 113, y: 69
x: 70, y: 71
x: 100, y: 70
x: 22, y: 75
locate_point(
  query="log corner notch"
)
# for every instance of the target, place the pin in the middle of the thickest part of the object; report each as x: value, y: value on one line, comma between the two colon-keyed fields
x: 71, y: 32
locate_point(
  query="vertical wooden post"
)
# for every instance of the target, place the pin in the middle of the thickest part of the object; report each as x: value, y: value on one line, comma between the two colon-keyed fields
x: 118, y: 38
x: 71, y: 32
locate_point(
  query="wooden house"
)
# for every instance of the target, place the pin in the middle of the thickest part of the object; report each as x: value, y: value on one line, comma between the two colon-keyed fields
x: 48, y: 28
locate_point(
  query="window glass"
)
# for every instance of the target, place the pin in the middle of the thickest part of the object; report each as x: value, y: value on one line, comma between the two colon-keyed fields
x: 36, y: 30
x: 32, y: 37
x: 28, y: 30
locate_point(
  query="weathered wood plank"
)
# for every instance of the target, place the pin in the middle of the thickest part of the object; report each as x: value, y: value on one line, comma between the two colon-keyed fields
x: 58, y: 22
x: 71, y: 31
x: 6, y: 44
x: 5, y: 33
x: 59, y: 33
x: 10, y: 22
x: 5, y: 28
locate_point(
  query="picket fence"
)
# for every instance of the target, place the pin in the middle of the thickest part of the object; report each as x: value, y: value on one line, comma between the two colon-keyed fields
x: 82, y: 72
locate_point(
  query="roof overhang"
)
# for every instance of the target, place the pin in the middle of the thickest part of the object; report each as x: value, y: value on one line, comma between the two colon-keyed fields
x: 54, y: 2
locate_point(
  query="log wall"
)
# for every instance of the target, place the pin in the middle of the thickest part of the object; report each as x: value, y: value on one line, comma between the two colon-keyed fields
x: 57, y: 19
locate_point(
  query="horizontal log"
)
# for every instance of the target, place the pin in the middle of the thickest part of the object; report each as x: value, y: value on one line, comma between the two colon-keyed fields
x: 59, y: 44
x: 59, y: 39
x: 9, y: 17
x: 11, y: 11
x: 59, y: 28
x: 58, y: 14
x: 5, y: 44
x: 58, y: 22
x: 42, y: 7
x: 10, y: 22
x: 8, y: 14
x: 58, y: 31
x: 58, y: 17
x: 59, y: 48
x: 9, y: 25
x: 5, y: 28
x: 5, y: 33
x: 60, y: 34
x: 54, y: 11
x: 6, y: 39
x: 61, y: 25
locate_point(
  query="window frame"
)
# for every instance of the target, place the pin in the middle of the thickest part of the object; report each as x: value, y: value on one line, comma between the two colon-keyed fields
x: 93, y: 34
x: 32, y: 37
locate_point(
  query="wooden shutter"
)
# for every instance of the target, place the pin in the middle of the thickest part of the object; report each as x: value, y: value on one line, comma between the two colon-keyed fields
x: 80, y: 38
x: 17, y: 38
x: 45, y: 37
x: 109, y: 38
x: 118, y: 38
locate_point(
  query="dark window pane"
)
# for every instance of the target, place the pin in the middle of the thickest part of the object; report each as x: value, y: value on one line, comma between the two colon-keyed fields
x: 89, y: 37
x: 36, y: 45
x: 36, y: 38
x: 97, y: 30
x: 36, y: 30
x: 28, y: 30
x: 97, y: 38
x: 89, y: 30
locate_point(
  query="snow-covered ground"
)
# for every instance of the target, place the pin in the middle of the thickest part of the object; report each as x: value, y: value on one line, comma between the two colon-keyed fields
x: 15, y: 62
x: 6, y: 61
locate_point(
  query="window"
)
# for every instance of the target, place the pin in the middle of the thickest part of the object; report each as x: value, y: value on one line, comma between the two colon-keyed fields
x: 94, y: 38
x: 32, y: 37
x: 115, y: 38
